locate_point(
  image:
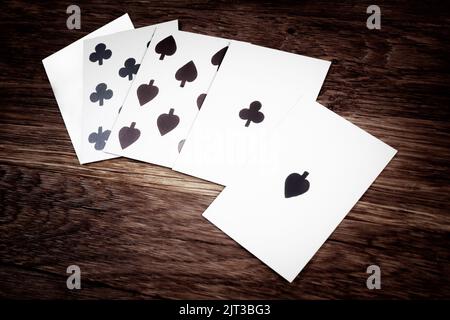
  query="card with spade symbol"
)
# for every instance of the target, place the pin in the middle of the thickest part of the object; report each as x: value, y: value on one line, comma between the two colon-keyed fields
x: 110, y: 65
x: 65, y: 72
x: 283, y: 206
x: 253, y: 89
x: 166, y: 96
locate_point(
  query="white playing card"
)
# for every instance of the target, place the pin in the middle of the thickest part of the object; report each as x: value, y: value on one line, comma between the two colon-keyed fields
x: 110, y: 65
x: 252, y: 91
x: 65, y: 72
x: 164, y: 99
x: 283, y: 209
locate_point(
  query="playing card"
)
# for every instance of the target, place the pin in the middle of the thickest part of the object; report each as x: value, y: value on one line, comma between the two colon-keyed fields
x: 252, y: 91
x: 110, y: 65
x: 282, y: 208
x: 65, y: 72
x: 166, y: 95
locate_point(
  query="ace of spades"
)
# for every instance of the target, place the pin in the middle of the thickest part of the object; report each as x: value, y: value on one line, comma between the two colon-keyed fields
x: 282, y: 208
x: 166, y: 95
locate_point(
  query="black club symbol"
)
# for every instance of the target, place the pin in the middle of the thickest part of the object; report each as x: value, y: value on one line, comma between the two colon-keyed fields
x: 252, y: 113
x: 99, y: 138
x: 100, y: 53
x: 101, y: 93
x: 130, y: 68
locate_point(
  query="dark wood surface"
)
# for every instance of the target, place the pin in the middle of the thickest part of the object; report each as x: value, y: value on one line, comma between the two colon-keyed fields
x: 136, y: 229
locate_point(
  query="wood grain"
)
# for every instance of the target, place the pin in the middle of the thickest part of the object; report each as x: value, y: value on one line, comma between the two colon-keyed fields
x: 136, y: 229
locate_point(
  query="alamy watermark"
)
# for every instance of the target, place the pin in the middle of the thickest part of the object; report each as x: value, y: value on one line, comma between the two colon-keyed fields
x: 374, y: 280
x: 374, y: 20
x: 74, y: 20
x: 74, y: 280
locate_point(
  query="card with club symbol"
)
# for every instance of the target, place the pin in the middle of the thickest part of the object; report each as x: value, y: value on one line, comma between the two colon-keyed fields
x: 251, y: 92
x: 283, y: 206
x: 111, y: 63
x: 65, y: 72
x: 166, y: 96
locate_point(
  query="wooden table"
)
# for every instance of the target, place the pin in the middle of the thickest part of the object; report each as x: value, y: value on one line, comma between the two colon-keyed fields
x: 136, y: 230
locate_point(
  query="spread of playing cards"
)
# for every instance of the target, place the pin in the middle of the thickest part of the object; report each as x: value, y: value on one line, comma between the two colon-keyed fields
x: 230, y: 112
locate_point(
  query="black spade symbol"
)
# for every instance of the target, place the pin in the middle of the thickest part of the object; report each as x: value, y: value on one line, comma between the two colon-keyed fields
x: 217, y: 58
x: 200, y: 100
x: 99, y: 138
x: 252, y: 113
x: 101, y: 93
x: 100, y: 54
x: 188, y: 72
x: 296, y: 184
x: 166, y: 47
x: 167, y: 122
x: 147, y: 92
x: 128, y: 135
x: 130, y: 68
